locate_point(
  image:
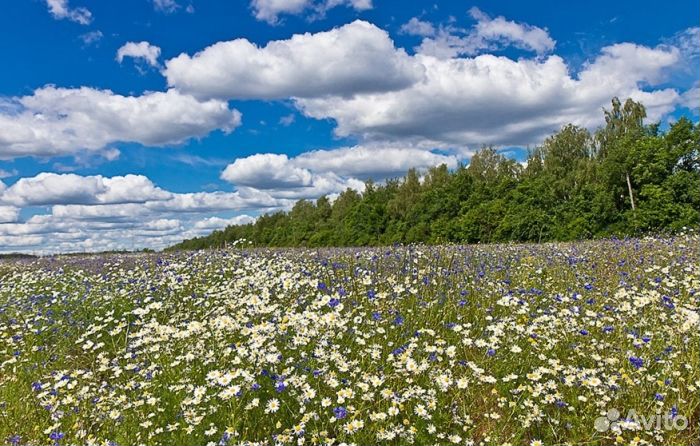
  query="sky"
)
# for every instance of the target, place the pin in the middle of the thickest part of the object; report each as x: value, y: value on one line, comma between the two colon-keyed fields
x: 139, y: 123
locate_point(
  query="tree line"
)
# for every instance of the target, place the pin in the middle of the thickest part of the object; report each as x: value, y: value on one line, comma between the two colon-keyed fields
x: 627, y: 178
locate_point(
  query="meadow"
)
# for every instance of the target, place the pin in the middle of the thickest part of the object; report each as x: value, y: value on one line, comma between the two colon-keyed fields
x: 591, y: 343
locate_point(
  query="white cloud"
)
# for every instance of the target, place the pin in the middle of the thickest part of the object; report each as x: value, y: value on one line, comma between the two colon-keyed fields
x: 60, y: 9
x: 327, y: 172
x: 487, y: 34
x: 121, y: 212
x: 91, y: 37
x: 199, y: 202
x: 212, y: 223
x: 166, y: 6
x: 162, y: 224
x: 266, y: 171
x: 306, y: 65
x: 63, y: 121
x: 282, y: 178
x: 646, y: 63
x: 8, y: 214
x: 497, y: 100
x: 417, y: 27
x: 50, y: 188
x: 139, y: 50
x: 521, y: 35
x: 372, y: 161
x: 8, y: 243
x: 270, y: 10
x: 687, y: 43
x: 440, y: 101
x: 691, y: 100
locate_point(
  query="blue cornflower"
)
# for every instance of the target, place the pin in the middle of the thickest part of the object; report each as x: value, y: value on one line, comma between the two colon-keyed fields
x: 280, y: 386
x: 340, y: 412
x: 491, y: 352
x: 371, y: 294
x: 377, y: 316
x: 398, y: 351
x: 333, y: 302
x: 659, y: 397
x: 398, y: 320
x: 225, y: 439
x: 584, y: 332
x: 55, y: 435
x: 638, y: 363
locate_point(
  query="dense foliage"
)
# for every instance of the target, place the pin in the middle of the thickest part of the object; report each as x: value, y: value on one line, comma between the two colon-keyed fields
x: 587, y: 343
x: 626, y: 179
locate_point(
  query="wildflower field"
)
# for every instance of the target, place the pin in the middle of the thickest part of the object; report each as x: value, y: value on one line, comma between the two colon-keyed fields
x: 496, y: 344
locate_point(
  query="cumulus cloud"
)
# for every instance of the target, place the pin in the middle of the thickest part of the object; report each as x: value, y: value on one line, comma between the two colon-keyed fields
x: 198, y: 202
x: 282, y: 177
x: 270, y: 10
x: 50, y: 188
x: 60, y: 10
x: 488, y: 34
x: 372, y: 161
x: 266, y: 171
x: 327, y: 172
x: 496, y: 100
x: 62, y: 121
x: 8, y: 214
x: 306, y: 65
x: 121, y: 212
x: 453, y: 98
x: 140, y: 51
x: 48, y: 234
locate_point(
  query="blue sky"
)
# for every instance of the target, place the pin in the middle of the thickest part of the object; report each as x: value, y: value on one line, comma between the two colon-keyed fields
x: 138, y: 123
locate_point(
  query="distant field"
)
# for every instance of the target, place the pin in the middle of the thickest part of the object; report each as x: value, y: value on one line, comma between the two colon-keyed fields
x: 590, y: 343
